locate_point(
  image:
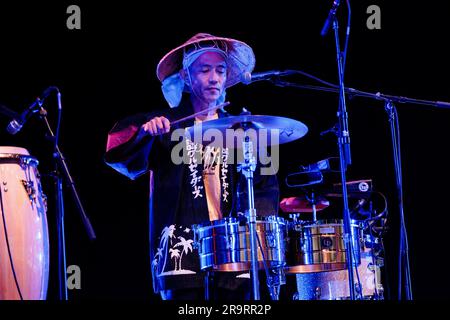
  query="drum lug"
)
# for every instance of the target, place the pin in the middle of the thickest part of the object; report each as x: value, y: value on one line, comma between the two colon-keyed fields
x: 380, y: 292
x: 271, y: 241
x: 45, y: 202
x: 195, y: 244
x: 317, y: 293
x: 358, y: 290
x: 229, y: 243
x: 29, y: 188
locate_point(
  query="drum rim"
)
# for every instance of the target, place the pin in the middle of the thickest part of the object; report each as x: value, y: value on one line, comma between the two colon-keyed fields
x: 234, y: 220
x: 315, y: 267
x: 27, y: 159
x: 14, y: 150
x: 329, y: 222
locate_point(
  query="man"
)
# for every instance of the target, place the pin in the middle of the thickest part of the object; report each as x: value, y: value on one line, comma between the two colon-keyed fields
x: 194, y: 78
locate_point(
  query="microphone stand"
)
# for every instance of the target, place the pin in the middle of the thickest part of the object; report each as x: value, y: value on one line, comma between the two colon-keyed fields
x: 345, y: 160
x: 351, y: 92
x: 62, y: 172
x: 344, y: 151
x: 404, y: 250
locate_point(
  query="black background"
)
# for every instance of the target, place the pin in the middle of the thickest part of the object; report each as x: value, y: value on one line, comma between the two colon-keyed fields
x: 106, y: 71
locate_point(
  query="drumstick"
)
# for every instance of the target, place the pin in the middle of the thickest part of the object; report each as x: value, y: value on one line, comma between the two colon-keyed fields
x: 200, y: 112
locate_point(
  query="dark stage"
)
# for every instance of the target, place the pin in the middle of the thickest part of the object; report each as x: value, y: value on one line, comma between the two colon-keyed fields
x: 106, y: 71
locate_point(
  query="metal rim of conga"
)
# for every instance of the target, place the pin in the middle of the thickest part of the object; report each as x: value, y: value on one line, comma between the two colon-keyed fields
x: 18, y: 159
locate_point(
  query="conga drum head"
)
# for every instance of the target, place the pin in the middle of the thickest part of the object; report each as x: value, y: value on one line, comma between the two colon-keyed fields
x: 13, y: 151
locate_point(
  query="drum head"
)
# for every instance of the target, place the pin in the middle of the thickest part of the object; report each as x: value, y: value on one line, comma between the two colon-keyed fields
x: 14, y: 150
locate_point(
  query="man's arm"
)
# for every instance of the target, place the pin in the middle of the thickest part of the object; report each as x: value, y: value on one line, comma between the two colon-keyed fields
x: 132, y: 142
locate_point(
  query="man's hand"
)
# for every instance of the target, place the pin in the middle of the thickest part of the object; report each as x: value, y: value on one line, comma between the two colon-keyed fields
x: 154, y: 127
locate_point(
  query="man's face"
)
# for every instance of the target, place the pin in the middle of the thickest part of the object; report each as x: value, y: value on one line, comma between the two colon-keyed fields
x: 208, y: 74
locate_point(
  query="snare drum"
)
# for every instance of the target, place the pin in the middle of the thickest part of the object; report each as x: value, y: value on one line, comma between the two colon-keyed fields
x: 24, y: 243
x: 224, y: 245
x: 317, y: 247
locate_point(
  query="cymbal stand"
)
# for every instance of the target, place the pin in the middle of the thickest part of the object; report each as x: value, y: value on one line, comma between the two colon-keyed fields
x: 247, y: 167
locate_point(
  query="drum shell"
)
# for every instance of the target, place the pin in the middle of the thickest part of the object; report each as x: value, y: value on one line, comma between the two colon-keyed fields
x: 224, y: 245
x: 23, y: 227
x: 317, y: 247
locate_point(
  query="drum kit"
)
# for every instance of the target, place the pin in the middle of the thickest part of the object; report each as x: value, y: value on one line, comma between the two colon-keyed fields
x: 311, y: 251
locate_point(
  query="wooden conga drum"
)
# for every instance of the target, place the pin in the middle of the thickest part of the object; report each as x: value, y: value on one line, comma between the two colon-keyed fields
x: 24, y: 242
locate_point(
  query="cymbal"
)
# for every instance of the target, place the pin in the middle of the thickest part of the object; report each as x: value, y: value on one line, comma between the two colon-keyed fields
x: 271, y: 130
x: 301, y: 204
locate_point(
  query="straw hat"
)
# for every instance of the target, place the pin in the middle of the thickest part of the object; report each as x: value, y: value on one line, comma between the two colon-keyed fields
x: 241, y: 58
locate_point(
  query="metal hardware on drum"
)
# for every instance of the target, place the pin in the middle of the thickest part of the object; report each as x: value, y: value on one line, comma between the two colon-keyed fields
x: 275, y: 279
x: 29, y: 188
x: 355, y: 189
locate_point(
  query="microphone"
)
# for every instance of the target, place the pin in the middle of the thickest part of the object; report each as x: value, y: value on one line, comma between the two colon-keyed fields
x: 330, y: 17
x: 17, y: 123
x: 248, y: 77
